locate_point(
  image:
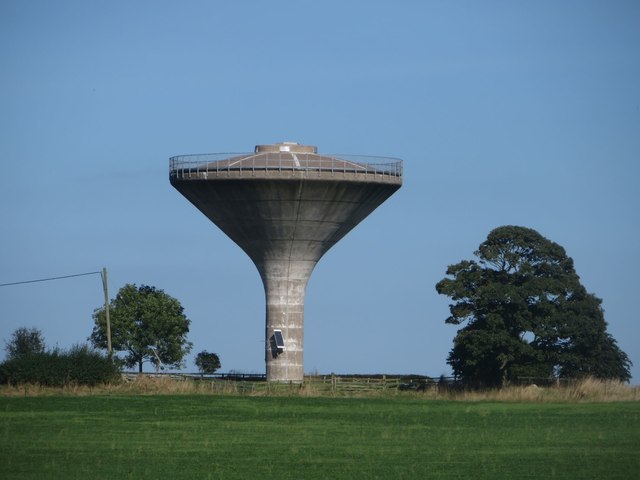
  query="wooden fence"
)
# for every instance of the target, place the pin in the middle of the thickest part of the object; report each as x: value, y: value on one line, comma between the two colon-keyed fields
x: 332, y: 383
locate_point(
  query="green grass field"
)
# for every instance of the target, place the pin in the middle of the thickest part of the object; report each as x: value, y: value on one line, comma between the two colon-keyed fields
x: 203, y: 436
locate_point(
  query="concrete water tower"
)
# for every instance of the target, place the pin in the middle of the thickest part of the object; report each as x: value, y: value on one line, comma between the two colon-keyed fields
x: 285, y: 205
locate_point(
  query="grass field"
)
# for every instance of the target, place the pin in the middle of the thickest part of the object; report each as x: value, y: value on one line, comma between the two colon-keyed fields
x: 228, y: 437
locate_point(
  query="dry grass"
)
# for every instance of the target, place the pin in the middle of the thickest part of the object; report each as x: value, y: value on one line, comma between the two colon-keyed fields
x: 586, y: 390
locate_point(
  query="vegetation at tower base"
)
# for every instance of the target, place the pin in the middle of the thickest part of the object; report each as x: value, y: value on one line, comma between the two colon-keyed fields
x: 526, y: 314
x: 146, y: 325
x: 24, y: 341
x: 207, y: 362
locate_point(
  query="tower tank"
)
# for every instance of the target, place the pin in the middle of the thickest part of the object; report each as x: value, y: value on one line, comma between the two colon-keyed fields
x: 285, y: 205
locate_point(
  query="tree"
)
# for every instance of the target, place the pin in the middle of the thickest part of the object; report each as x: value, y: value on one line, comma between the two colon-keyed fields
x: 207, y: 362
x: 23, y: 342
x: 526, y: 314
x: 147, y: 325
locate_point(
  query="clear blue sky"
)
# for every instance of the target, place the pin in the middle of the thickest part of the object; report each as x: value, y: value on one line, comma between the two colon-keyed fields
x: 523, y: 113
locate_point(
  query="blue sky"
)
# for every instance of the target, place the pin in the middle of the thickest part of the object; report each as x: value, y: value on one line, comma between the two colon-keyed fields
x: 523, y: 113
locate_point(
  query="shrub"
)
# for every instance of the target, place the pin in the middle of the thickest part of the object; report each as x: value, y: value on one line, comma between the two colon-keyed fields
x: 207, y: 362
x: 80, y: 365
x: 25, y: 341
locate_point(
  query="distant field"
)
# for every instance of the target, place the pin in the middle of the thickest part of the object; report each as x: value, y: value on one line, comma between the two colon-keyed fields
x: 201, y: 436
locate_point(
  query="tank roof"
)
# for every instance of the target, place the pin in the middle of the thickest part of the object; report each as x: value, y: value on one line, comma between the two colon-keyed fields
x: 287, y: 158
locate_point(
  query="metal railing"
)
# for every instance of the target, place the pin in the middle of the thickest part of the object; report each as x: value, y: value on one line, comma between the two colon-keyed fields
x: 186, y: 166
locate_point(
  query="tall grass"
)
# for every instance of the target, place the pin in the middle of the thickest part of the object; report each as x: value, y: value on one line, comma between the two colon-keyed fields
x: 585, y: 390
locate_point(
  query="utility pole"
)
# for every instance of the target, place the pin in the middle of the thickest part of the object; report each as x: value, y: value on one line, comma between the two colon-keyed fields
x: 105, y: 287
x: 105, y: 284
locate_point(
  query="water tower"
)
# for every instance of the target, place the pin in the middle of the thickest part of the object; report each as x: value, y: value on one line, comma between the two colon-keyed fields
x: 285, y: 205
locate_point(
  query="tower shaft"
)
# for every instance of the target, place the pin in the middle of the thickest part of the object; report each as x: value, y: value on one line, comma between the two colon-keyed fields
x: 285, y: 283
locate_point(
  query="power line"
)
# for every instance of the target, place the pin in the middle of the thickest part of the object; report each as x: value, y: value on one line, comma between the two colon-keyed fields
x: 49, y: 279
x: 103, y: 276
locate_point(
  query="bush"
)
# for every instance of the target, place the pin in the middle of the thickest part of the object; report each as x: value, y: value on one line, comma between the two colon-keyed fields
x: 25, y: 341
x: 207, y: 362
x: 80, y: 365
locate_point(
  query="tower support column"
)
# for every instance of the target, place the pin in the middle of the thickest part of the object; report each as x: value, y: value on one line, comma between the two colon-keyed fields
x: 285, y: 283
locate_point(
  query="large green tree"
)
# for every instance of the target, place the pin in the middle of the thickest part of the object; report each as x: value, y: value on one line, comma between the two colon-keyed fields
x: 146, y: 325
x: 525, y: 313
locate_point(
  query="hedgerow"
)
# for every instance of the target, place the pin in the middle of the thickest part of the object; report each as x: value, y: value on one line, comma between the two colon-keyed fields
x: 80, y: 365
